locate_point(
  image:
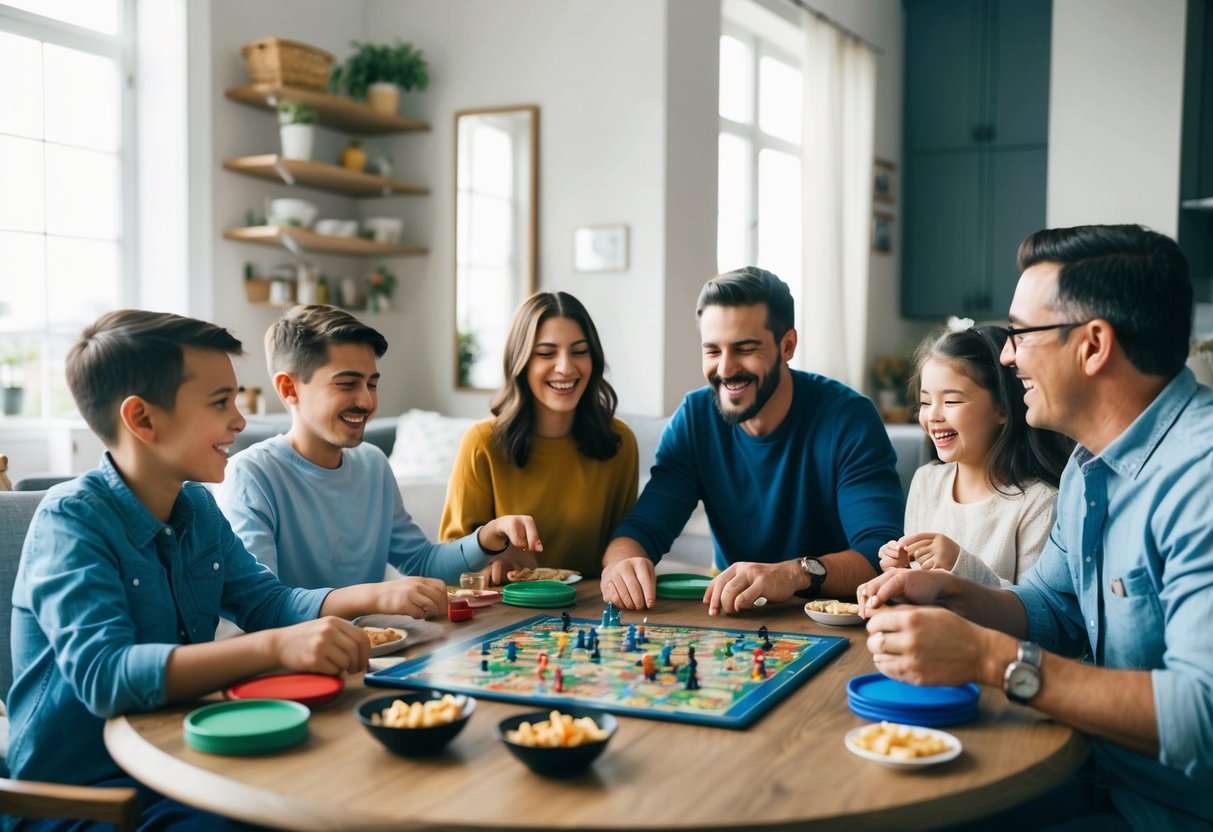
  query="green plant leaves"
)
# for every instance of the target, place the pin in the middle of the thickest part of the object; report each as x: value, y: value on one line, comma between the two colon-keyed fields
x: 371, y: 63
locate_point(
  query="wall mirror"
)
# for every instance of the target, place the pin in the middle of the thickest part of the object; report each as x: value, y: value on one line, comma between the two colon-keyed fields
x: 496, y: 230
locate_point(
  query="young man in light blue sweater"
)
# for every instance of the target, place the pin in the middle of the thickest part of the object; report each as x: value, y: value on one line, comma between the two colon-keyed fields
x: 317, y: 505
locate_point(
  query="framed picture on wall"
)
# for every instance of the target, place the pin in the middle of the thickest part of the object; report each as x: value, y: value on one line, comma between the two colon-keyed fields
x: 882, y: 181
x: 600, y: 248
x: 882, y: 233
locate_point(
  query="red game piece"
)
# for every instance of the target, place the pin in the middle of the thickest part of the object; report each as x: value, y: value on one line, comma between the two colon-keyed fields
x: 559, y: 680
x: 459, y: 610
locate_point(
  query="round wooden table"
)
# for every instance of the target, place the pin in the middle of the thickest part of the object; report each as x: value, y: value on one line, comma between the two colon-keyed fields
x: 789, y: 770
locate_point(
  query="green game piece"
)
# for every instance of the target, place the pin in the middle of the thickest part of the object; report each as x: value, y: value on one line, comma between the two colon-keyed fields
x: 682, y: 586
x: 246, y: 726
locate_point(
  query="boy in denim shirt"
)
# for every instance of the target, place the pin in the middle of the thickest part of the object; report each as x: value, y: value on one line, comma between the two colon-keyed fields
x: 126, y: 568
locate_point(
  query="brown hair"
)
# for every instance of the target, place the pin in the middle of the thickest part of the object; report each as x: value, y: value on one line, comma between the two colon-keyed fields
x: 298, y: 342
x: 514, y: 404
x: 132, y: 352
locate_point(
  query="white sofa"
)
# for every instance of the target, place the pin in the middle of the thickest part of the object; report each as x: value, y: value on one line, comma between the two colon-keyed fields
x: 421, y: 447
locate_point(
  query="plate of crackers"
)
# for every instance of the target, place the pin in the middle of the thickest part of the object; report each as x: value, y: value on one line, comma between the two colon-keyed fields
x: 834, y: 613
x: 902, y: 746
x: 385, y: 640
x: 545, y: 573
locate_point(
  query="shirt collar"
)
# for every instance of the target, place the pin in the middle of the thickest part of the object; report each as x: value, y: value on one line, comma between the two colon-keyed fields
x: 141, y: 526
x: 1127, y: 453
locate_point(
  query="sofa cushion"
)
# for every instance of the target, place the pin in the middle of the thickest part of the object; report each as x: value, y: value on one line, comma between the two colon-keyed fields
x: 426, y: 444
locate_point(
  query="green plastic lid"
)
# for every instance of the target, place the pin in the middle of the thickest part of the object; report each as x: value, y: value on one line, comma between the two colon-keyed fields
x: 682, y: 586
x: 246, y: 726
x: 539, y: 594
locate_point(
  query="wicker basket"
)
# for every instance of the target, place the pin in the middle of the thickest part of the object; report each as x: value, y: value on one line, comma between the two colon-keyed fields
x: 287, y: 63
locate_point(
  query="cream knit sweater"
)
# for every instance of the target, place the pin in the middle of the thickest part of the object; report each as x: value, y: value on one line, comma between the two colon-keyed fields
x: 1000, y: 537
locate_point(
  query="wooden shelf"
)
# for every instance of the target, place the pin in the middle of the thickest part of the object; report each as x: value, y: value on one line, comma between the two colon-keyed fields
x: 310, y: 241
x: 332, y: 110
x: 321, y: 175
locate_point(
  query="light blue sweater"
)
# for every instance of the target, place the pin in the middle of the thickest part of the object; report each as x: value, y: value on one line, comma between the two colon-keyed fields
x: 337, y: 527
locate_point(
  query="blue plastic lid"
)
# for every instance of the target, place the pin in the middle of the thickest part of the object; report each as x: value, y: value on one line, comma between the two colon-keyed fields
x: 879, y: 691
x: 911, y: 717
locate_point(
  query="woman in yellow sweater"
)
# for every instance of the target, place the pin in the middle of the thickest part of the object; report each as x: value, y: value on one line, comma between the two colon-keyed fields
x: 553, y: 448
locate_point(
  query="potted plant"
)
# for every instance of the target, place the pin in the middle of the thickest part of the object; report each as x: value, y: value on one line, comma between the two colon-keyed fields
x: 12, y: 377
x: 890, y: 374
x: 469, y: 351
x: 379, y: 286
x: 377, y: 73
x: 297, y: 129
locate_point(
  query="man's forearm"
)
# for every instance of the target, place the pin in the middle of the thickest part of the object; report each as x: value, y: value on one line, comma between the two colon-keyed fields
x: 998, y: 609
x: 622, y: 548
x: 845, y: 571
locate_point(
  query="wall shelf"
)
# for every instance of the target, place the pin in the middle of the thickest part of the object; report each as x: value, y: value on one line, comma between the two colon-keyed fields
x: 322, y: 175
x: 1205, y: 204
x: 310, y: 241
x: 332, y: 110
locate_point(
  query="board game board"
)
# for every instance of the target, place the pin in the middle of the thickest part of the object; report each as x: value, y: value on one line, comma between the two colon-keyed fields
x: 729, y: 692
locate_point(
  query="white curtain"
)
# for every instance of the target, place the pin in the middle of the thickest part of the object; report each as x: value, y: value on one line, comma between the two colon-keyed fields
x: 839, y: 133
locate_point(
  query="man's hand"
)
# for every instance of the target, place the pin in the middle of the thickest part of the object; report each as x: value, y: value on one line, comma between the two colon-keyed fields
x: 931, y: 550
x: 418, y: 597
x: 630, y: 583
x: 929, y: 646
x: 498, y: 571
x: 517, y: 531
x: 914, y: 586
x: 893, y: 556
x: 738, y: 587
x: 327, y: 645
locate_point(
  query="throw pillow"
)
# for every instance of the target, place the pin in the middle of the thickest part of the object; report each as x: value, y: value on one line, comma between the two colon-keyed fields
x: 426, y: 444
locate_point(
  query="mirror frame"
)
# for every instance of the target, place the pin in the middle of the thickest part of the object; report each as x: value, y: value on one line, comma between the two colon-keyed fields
x: 531, y: 276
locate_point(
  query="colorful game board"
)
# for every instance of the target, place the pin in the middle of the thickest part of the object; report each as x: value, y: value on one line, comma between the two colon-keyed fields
x: 729, y: 691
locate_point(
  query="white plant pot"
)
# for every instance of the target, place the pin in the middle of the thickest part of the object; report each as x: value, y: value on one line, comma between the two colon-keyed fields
x: 383, y: 97
x: 297, y: 140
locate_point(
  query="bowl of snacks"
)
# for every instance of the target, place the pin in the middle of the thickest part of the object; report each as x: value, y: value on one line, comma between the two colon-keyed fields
x: 558, y: 743
x: 902, y: 746
x: 416, y: 724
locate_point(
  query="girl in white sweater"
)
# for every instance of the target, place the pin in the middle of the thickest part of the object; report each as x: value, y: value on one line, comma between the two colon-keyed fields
x: 985, y: 508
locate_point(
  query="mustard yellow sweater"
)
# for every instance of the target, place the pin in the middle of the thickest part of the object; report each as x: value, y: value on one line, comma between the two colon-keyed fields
x: 576, y: 501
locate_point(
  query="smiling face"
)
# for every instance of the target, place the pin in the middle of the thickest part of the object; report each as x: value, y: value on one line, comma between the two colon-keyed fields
x: 197, y: 434
x: 958, y: 414
x: 330, y: 410
x: 557, y: 374
x: 1043, y: 362
x: 741, y: 359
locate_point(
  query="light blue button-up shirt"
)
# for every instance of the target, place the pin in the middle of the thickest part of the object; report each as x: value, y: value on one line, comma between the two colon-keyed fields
x: 103, y: 595
x: 1127, y: 578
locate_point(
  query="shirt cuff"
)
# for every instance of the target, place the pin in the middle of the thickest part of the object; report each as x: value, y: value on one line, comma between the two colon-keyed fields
x: 1042, y: 627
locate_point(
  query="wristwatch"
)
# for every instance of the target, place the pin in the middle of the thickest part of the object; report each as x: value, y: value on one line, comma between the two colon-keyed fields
x: 816, y: 570
x: 1021, y: 682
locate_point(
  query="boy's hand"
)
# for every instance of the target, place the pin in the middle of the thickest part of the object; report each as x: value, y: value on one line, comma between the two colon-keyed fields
x: 514, y: 530
x: 418, y: 597
x: 931, y: 550
x: 893, y: 556
x: 327, y: 645
x: 502, y: 565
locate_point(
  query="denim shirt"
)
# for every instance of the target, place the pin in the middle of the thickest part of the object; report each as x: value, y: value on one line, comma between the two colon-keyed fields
x: 1127, y: 578
x: 103, y: 595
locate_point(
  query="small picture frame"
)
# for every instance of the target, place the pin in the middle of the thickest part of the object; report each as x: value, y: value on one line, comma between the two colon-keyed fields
x: 882, y: 232
x: 882, y: 181
x: 600, y: 248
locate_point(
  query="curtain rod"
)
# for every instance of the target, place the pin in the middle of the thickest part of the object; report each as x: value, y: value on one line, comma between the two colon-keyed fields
x: 848, y: 32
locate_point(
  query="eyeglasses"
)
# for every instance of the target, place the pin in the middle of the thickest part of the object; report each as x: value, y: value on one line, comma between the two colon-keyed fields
x: 1014, y: 332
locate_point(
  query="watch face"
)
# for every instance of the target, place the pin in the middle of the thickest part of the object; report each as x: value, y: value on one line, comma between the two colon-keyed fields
x: 816, y: 567
x: 1023, y: 681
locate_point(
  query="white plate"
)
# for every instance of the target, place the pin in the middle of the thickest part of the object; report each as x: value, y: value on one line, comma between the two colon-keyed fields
x: 832, y: 619
x: 390, y: 646
x: 954, y: 749
x: 419, y: 632
x: 572, y: 579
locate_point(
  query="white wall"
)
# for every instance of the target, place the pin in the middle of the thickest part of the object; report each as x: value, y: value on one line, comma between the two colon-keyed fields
x: 1115, y: 112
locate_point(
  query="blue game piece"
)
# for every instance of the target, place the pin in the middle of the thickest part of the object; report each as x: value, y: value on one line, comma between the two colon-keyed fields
x: 580, y: 640
x: 511, y: 651
x: 484, y: 665
x: 484, y: 649
x: 609, y: 614
x: 665, y: 655
x: 595, y: 656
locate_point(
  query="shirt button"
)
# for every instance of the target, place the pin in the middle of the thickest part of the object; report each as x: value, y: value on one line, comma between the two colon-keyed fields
x: 215, y: 565
x: 169, y: 532
x: 1092, y: 504
x: 134, y: 582
x: 1088, y: 558
x: 1092, y: 622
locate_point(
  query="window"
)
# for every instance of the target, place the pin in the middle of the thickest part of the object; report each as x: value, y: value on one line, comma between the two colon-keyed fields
x: 758, y: 202
x: 65, y: 213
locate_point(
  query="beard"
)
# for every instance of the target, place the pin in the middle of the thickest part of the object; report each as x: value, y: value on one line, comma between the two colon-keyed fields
x: 767, y: 386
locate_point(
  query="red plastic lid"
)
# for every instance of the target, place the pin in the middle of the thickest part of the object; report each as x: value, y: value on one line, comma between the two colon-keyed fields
x: 311, y: 689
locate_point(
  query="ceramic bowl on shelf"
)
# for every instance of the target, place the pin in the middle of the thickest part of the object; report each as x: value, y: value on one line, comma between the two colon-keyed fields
x: 384, y: 229
x: 290, y: 211
x: 337, y: 228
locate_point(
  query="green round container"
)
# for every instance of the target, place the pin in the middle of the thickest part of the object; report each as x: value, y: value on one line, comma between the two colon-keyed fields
x: 539, y: 594
x: 246, y: 726
x: 682, y: 586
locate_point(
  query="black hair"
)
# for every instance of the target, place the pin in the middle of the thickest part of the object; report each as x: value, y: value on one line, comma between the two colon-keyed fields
x: 1133, y: 278
x: 298, y: 342
x: 1020, y: 453
x: 750, y: 286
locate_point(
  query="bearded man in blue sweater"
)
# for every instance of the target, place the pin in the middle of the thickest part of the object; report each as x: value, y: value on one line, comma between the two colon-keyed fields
x: 795, y: 470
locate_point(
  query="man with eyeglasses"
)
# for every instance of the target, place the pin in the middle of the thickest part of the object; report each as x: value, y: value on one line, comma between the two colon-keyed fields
x: 1100, y: 325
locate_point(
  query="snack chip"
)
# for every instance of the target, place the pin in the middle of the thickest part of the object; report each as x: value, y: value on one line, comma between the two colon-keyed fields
x: 425, y: 714
x: 558, y: 731
x: 833, y: 607
x: 899, y: 742
x: 382, y: 635
x: 542, y: 573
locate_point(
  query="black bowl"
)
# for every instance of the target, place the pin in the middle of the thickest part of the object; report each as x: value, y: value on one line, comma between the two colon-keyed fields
x: 413, y: 742
x: 560, y: 761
